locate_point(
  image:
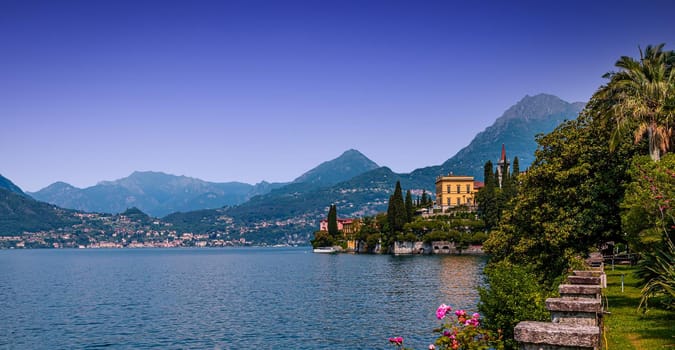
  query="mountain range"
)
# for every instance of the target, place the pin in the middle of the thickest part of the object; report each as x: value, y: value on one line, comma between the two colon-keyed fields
x: 155, y: 193
x: 296, y: 209
x: 289, y: 212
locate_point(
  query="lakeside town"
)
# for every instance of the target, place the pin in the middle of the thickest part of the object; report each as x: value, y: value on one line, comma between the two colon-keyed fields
x: 444, y: 222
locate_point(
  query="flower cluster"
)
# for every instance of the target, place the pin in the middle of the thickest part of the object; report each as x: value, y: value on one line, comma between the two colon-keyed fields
x: 442, y: 311
x: 462, y: 333
x: 398, y: 341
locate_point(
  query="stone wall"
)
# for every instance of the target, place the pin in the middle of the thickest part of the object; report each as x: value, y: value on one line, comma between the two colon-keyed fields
x: 576, y: 317
x: 435, y: 247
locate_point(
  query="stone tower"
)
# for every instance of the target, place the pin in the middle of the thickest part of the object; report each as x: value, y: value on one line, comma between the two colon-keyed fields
x: 503, y: 165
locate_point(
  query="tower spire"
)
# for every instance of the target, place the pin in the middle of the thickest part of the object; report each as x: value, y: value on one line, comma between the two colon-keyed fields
x: 502, y: 165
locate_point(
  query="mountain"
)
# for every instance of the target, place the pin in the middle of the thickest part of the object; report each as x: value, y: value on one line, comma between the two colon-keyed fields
x: 19, y: 213
x: 516, y: 129
x: 291, y: 213
x: 6, y: 184
x: 351, y: 163
x: 155, y: 193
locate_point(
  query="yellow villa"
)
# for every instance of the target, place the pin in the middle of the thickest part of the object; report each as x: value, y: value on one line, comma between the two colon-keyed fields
x: 455, y: 190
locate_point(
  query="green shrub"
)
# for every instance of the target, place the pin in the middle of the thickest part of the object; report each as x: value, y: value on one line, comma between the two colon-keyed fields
x: 511, y: 295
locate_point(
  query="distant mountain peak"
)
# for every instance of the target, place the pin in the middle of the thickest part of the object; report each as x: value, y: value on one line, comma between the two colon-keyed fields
x: 348, y: 165
x: 6, y: 184
x: 515, y: 129
x: 535, y: 107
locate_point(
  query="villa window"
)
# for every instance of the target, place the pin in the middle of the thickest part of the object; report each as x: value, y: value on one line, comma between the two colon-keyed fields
x: 449, y: 201
x: 459, y: 201
x: 468, y: 189
x: 458, y: 189
x: 449, y: 189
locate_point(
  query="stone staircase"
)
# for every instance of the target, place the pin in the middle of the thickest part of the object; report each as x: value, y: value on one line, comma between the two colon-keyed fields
x: 576, y: 317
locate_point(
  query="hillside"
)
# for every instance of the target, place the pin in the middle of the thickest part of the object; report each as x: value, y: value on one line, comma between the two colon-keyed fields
x: 6, y: 184
x: 516, y: 129
x: 19, y: 213
x: 155, y: 193
x: 297, y: 208
x: 351, y: 163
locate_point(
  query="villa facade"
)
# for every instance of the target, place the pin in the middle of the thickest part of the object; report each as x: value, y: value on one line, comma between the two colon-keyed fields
x: 456, y: 190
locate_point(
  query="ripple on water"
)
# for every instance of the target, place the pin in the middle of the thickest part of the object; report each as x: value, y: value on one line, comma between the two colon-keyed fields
x: 226, y: 298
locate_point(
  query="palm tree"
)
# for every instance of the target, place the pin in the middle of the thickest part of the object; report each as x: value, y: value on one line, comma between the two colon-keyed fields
x: 642, y: 96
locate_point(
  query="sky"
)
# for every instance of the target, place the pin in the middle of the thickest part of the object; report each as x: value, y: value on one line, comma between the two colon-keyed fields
x: 266, y: 90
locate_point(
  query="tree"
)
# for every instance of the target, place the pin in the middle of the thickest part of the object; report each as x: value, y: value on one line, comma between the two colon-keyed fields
x: 409, y: 207
x: 396, y: 213
x: 569, y: 200
x: 488, y: 206
x: 642, y: 96
x: 424, y: 201
x: 332, y: 221
x: 516, y: 167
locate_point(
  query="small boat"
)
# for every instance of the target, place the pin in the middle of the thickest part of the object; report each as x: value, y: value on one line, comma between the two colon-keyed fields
x: 325, y: 250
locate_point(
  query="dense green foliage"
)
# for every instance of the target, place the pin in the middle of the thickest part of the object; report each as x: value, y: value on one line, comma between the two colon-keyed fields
x: 569, y: 200
x: 396, y: 211
x: 512, y: 295
x: 323, y: 239
x: 588, y: 185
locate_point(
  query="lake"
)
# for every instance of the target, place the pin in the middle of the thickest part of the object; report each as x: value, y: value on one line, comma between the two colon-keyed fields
x: 230, y: 298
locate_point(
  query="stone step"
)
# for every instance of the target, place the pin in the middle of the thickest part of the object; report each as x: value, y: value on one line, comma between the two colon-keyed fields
x: 574, y: 305
x: 579, y: 291
x: 584, y: 280
x: 587, y: 273
x: 562, y: 335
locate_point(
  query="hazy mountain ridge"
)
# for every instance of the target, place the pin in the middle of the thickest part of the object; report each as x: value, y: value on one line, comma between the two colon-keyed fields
x: 516, y: 129
x: 351, y: 163
x: 8, y: 185
x: 156, y: 193
x: 289, y: 213
x: 20, y: 213
x: 301, y: 207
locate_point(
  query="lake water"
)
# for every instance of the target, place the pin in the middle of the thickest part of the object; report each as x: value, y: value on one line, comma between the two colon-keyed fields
x: 266, y: 298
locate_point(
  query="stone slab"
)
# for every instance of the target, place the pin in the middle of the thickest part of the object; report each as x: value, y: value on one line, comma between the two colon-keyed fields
x: 579, y: 290
x: 574, y: 305
x: 557, y: 334
x: 583, y: 280
x: 588, y: 273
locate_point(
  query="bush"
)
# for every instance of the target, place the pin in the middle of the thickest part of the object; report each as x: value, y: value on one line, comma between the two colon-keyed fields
x: 436, y: 235
x: 322, y: 239
x: 408, y: 237
x: 479, y: 237
x: 512, y: 295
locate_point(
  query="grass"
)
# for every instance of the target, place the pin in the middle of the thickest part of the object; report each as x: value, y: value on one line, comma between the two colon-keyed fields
x: 628, y: 328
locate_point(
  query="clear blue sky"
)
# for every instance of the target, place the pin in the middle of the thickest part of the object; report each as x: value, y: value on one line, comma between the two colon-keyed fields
x: 265, y: 90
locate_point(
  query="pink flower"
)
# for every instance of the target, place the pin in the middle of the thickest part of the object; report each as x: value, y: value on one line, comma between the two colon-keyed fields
x: 432, y: 347
x: 460, y: 313
x: 475, y: 315
x: 396, y: 340
x: 442, y: 311
x: 472, y: 322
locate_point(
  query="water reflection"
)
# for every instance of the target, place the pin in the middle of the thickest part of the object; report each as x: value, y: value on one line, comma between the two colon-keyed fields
x: 459, y: 278
x: 227, y: 298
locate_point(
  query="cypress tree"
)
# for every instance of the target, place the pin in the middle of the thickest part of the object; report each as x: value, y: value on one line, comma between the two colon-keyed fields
x: 488, y: 198
x: 332, y: 221
x: 487, y: 175
x: 396, y: 214
x: 516, y: 167
x: 409, y: 207
x: 423, y: 201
